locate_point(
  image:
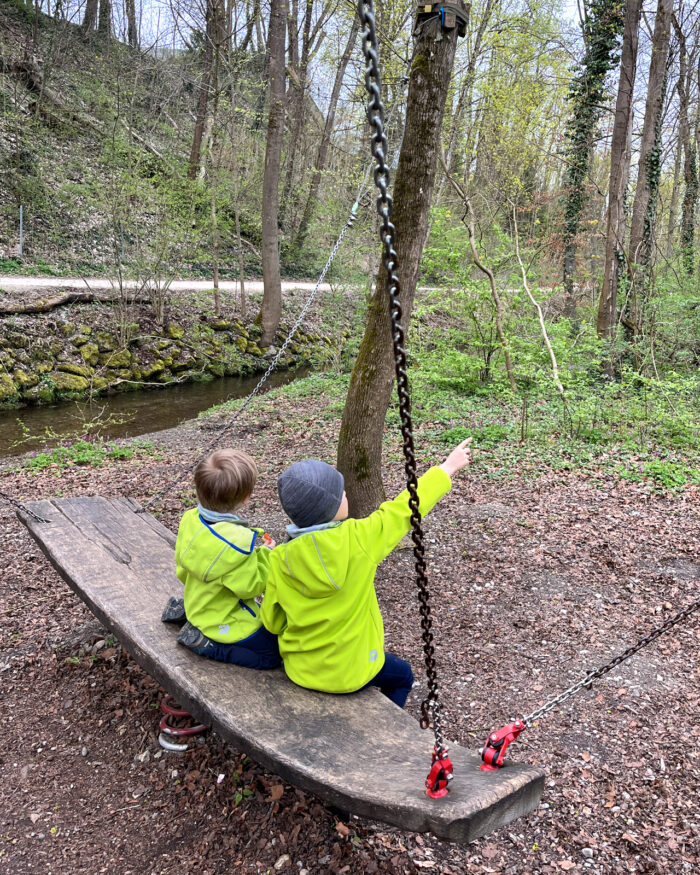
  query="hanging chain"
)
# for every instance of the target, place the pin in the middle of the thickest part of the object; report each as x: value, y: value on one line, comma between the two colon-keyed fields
x: 604, y: 669
x: 22, y: 508
x: 431, y: 706
x: 220, y: 432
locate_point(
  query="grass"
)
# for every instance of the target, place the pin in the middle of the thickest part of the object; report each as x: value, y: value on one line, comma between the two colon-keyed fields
x: 88, y: 452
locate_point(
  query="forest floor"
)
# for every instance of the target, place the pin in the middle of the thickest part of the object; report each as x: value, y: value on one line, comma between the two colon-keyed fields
x: 535, y: 580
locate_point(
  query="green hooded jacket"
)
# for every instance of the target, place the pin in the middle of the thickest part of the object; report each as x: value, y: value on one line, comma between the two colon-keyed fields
x: 320, y: 598
x: 223, y: 570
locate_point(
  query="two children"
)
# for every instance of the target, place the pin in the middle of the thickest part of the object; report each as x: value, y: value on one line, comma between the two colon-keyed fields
x: 320, y: 604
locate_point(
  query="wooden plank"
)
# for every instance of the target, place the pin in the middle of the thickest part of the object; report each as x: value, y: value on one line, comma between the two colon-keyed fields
x: 358, y: 752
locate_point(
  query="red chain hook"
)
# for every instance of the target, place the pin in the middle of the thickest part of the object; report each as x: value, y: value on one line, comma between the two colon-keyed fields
x: 493, y: 753
x: 440, y: 774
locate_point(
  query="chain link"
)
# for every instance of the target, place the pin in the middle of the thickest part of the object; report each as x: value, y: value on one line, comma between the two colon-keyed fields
x: 23, y: 508
x: 431, y: 706
x: 220, y: 432
x: 604, y: 669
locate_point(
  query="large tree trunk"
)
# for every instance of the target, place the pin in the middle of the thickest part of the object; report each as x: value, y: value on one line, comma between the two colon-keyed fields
x: 104, y: 26
x: 646, y: 195
x: 90, y: 17
x: 203, y: 100
x: 322, y: 156
x: 369, y: 394
x: 271, y: 310
x: 132, y: 30
x: 619, y: 171
x: 690, y: 173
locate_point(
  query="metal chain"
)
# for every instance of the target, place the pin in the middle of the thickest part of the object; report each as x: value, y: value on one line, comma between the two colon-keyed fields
x: 431, y: 706
x: 273, y: 364
x: 604, y: 669
x: 23, y: 508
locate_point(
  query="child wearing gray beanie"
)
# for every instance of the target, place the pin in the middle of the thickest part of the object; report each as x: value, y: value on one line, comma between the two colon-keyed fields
x: 320, y: 599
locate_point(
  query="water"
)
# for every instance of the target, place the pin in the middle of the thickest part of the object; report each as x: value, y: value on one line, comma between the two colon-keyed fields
x: 130, y: 415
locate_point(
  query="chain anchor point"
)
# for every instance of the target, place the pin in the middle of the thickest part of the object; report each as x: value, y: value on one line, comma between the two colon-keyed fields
x: 493, y: 753
x: 440, y: 775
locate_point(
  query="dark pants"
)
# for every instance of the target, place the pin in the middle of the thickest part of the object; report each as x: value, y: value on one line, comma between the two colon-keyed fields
x: 258, y: 651
x: 394, y: 680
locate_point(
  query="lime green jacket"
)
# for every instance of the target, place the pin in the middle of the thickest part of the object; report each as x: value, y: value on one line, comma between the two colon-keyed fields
x: 223, y: 569
x: 320, y: 598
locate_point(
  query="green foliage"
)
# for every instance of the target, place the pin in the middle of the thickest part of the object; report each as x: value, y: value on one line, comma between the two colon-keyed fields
x: 92, y: 453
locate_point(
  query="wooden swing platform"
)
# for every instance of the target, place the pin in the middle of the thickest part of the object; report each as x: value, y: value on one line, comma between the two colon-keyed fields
x: 358, y: 752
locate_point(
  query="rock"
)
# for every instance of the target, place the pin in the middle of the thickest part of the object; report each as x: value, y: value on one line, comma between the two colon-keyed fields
x: 22, y: 356
x: 151, y: 370
x: 270, y: 352
x: 55, y: 348
x: 40, y: 394
x: 143, y: 757
x: 72, y: 368
x: 83, y: 751
x: 84, y: 329
x: 119, y: 359
x: 23, y: 379
x: 182, y: 364
x: 215, y: 367
x: 175, y: 331
x: 7, y: 387
x: 80, y: 340
x: 252, y: 348
x: 221, y: 325
x: 99, y: 384
x: 105, y: 341
x: 43, y: 367
x: 284, y: 860
x: 241, y: 343
x: 90, y: 353
x: 67, y: 382
x: 67, y: 329
x: 163, y: 344
x: 587, y: 853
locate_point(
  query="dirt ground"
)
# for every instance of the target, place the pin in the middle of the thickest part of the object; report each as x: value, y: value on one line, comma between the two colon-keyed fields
x: 534, y: 583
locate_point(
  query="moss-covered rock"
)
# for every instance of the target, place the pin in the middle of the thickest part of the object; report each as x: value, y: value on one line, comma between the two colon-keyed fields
x: 67, y: 329
x: 183, y: 364
x: 67, y: 382
x: 80, y: 340
x: 152, y: 370
x: 216, y: 368
x: 55, y: 348
x: 8, y: 390
x: 84, y: 329
x: 163, y: 344
x: 241, y: 343
x: 41, y: 394
x: 120, y: 358
x: 24, y: 379
x: 42, y: 367
x: 106, y: 341
x: 222, y: 325
x: 252, y: 348
x: 90, y: 353
x: 22, y: 356
x: 72, y: 368
x: 99, y: 384
x: 175, y: 331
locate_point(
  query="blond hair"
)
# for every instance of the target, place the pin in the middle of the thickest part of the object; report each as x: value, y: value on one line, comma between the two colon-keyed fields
x: 225, y: 479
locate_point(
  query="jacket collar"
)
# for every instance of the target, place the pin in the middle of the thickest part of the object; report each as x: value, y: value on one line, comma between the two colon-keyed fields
x: 294, y: 531
x: 215, y: 516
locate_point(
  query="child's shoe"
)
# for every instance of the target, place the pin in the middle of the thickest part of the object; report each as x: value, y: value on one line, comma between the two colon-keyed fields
x: 174, y: 611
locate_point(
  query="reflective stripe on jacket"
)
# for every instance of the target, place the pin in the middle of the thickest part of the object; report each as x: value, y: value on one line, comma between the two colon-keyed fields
x: 223, y: 569
x: 320, y: 597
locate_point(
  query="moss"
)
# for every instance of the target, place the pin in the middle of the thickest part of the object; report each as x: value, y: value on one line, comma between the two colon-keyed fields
x: 175, y: 331
x: 90, y: 353
x: 163, y: 344
x: 43, y: 367
x: 121, y: 358
x: 105, y: 341
x: 71, y: 368
x: 99, y: 384
x: 8, y: 389
x: 24, y: 380
x: 222, y: 325
x: 67, y: 329
x: 216, y: 368
x: 183, y: 364
x: 148, y: 371
x: 66, y: 382
x: 84, y: 329
x: 241, y: 343
x: 80, y: 340
x: 252, y: 348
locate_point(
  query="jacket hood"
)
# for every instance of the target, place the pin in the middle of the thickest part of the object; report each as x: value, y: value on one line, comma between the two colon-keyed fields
x: 218, y: 547
x: 318, y: 570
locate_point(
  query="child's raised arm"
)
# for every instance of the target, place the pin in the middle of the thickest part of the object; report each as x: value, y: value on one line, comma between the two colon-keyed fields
x: 459, y: 458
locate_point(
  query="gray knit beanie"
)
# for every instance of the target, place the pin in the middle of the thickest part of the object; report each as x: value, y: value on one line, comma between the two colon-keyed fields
x: 310, y: 492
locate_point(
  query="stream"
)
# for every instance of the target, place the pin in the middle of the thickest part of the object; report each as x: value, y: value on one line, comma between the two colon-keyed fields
x: 126, y: 415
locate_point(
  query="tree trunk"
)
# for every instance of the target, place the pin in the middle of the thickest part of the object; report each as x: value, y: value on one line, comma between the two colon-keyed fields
x: 271, y: 309
x: 322, y: 156
x: 690, y: 173
x: 619, y: 172
x: 203, y: 101
x: 132, y: 31
x: 90, y: 17
x: 673, y: 204
x: 646, y: 195
x: 369, y: 394
x: 104, y: 26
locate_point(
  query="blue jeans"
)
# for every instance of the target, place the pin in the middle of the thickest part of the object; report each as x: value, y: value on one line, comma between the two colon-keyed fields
x: 395, y: 679
x: 259, y: 651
